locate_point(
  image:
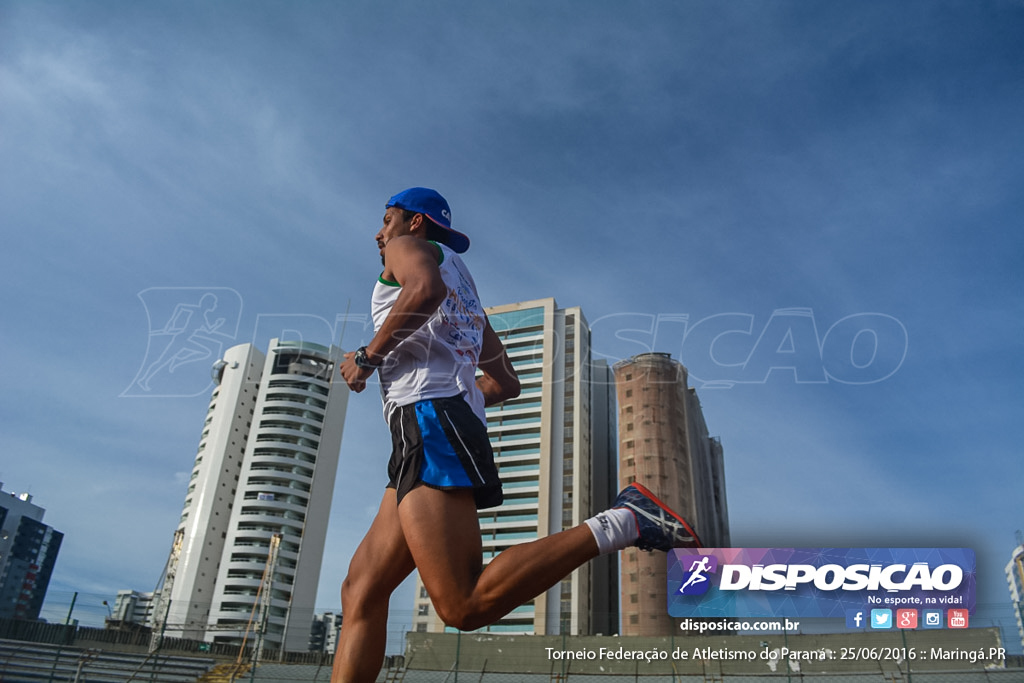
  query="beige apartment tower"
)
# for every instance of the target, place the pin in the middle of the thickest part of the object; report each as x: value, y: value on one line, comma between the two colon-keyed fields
x: 664, y: 445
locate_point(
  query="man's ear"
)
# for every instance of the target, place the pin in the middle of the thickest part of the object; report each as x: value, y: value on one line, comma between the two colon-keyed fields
x: 418, y: 224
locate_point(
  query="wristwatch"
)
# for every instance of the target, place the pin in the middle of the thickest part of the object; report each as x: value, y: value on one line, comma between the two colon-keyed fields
x: 362, y: 361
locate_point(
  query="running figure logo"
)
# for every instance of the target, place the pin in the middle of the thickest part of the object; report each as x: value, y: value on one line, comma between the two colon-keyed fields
x: 697, y: 567
x: 189, y: 327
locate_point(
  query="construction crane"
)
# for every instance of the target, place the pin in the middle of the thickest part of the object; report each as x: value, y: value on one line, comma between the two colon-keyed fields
x: 258, y: 620
x: 163, y: 592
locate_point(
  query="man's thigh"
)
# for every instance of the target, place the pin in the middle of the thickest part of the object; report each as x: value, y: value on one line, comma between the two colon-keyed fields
x: 382, y: 560
x: 442, y: 532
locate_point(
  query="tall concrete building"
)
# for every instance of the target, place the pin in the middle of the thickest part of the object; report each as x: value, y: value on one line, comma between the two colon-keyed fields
x: 132, y: 607
x: 258, y: 498
x: 551, y: 447
x: 664, y: 445
x: 1015, y: 580
x: 324, y: 633
x: 28, y: 552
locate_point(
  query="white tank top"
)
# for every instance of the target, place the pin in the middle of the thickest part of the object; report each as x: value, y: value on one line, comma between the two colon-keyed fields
x: 440, y: 358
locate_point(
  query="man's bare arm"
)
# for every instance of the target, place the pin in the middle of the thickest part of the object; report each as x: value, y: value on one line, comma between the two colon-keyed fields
x: 412, y: 263
x: 499, y: 381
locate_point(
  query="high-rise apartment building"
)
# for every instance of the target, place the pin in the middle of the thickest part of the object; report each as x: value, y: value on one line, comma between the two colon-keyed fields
x: 664, y: 445
x: 28, y: 552
x: 550, y: 444
x: 132, y: 607
x: 258, y: 499
x: 1015, y: 580
x: 324, y: 633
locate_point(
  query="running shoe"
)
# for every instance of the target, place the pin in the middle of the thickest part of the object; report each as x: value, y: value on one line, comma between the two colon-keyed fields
x: 660, y: 528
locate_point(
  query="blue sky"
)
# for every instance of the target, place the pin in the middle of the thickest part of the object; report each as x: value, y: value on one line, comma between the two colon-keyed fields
x: 699, y: 177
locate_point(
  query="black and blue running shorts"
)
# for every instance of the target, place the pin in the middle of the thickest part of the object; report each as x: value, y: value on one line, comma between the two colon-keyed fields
x: 441, y: 443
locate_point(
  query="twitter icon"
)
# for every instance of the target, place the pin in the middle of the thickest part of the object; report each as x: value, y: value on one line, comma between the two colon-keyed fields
x: 881, y: 618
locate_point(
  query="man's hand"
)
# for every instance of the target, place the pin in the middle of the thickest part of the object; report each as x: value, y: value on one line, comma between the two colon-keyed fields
x: 355, y: 377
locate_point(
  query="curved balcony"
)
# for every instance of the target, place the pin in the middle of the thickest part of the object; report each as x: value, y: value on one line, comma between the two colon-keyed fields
x: 251, y: 563
x: 271, y: 517
x: 281, y: 499
x: 305, y: 387
x: 284, y: 456
x: 290, y: 399
x: 258, y: 546
x: 282, y: 468
x: 294, y: 426
x: 243, y: 579
x: 291, y: 507
x: 295, y: 442
x: 300, y: 414
x: 286, y: 482
x: 249, y: 537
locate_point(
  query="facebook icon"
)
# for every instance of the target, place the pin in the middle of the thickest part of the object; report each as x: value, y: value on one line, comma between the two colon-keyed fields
x: 855, y: 618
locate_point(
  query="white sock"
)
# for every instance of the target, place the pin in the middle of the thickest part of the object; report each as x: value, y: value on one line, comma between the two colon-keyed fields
x: 613, y: 529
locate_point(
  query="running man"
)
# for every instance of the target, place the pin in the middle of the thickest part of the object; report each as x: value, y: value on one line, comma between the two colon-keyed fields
x: 430, y: 336
x: 697, y: 570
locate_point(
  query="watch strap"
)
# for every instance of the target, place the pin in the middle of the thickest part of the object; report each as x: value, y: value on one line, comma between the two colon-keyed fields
x: 362, y: 361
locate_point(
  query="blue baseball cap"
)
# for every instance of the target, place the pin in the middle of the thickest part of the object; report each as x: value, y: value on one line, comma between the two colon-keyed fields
x: 432, y: 205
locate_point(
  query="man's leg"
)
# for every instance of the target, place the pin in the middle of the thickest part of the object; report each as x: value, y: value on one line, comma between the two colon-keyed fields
x: 380, y: 564
x: 443, y: 534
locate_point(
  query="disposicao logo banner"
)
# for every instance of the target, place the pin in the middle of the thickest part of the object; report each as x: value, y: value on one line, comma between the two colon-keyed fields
x: 816, y: 582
